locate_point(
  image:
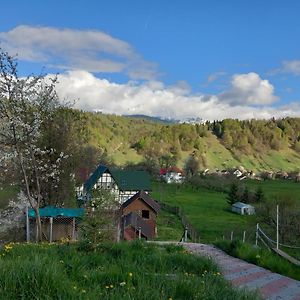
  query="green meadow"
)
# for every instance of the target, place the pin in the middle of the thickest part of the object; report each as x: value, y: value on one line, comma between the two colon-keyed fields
x: 209, y: 212
x: 130, y: 271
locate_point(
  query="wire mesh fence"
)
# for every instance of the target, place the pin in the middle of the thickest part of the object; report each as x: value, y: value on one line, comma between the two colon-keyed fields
x: 53, y: 229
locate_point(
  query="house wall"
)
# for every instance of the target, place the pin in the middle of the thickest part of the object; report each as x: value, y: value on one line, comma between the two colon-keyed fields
x: 106, y: 181
x: 137, y: 206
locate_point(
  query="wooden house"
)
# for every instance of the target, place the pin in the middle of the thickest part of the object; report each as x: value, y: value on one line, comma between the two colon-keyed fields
x: 139, y: 217
x: 122, y: 183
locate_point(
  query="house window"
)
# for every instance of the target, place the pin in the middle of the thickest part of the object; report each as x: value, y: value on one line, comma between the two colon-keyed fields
x: 145, y: 214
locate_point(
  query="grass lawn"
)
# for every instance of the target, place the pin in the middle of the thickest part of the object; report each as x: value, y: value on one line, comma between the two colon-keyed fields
x: 169, y: 227
x: 110, y: 271
x: 207, y: 210
x: 7, y: 193
x: 273, y: 188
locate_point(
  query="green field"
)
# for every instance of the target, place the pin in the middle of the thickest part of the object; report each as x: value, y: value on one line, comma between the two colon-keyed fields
x: 129, y: 271
x: 209, y: 212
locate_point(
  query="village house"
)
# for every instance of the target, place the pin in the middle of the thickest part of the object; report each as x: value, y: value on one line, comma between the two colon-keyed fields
x: 139, y: 217
x: 172, y: 175
x: 122, y: 183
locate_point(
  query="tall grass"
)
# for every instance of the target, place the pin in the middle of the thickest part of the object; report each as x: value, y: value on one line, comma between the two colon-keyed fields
x: 261, y: 257
x: 110, y: 271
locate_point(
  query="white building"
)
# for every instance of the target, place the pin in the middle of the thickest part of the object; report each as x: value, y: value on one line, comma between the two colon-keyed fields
x: 243, y: 208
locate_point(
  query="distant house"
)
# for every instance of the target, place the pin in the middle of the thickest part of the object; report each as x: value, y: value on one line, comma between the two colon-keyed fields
x: 122, y: 183
x: 139, y: 217
x: 243, y: 208
x: 172, y: 175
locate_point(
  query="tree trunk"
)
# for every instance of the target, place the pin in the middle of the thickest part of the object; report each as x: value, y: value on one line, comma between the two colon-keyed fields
x: 38, y: 223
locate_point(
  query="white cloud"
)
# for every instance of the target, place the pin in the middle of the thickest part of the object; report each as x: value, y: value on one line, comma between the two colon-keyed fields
x: 90, y: 50
x: 154, y: 99
x: 292, y: 67
x: 249, y: 89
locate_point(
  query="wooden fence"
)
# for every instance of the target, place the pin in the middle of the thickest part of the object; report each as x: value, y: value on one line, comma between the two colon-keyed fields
x: 191, y: 230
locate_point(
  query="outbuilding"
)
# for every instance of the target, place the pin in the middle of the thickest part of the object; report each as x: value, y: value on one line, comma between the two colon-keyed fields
x: 243, y: 208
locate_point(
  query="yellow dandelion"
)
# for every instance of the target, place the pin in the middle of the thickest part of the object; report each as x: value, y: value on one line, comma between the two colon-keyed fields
x: 111, y: 286
x: 130, y: 274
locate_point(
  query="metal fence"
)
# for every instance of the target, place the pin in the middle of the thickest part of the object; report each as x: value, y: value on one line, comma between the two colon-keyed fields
x: 53, y: 229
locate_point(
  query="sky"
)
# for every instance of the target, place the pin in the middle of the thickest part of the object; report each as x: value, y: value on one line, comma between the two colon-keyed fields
x: 211, y: 59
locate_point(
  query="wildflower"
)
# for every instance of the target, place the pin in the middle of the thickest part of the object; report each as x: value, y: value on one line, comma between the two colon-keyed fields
x: 186, y: 274
x: 170, y: 298
x: 85, y: 276
x: 130, y: 274
x: 257, y: 256
x: 83, y: 291
x: 122, y: 283
x: 218, y: 273
x: 111, y: 286
x: 75, y: 287
x: 107, y: 286
x: 61, y: 261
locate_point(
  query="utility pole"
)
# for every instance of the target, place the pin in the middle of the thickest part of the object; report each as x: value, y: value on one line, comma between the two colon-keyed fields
x: 277, y: 227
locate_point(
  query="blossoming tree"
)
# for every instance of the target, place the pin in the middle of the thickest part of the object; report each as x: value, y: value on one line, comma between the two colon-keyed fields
x: 25, y: 104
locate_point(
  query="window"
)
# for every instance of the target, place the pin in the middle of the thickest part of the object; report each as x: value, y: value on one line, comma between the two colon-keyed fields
x: 145, y: 214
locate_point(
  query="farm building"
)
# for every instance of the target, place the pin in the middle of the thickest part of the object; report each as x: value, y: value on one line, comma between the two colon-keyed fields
x: 243, y: 208
x: 122, y: 183
x: 57, y: 223
x: 139, y: 217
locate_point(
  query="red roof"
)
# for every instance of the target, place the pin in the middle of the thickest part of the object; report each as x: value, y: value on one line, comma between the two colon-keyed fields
x: 174, y: 169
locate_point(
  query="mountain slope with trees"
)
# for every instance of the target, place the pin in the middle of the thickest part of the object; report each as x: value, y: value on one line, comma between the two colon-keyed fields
x: 257, y: 145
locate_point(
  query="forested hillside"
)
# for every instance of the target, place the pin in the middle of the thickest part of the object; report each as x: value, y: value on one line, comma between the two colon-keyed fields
x: 255, y: 144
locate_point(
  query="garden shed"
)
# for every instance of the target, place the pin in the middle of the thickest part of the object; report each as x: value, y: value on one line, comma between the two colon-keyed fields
x: 243, y: 208
x: 57, y: 223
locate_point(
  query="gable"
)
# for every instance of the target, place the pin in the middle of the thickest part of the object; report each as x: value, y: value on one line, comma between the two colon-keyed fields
x: 88, y: 185
x: 145, y: 198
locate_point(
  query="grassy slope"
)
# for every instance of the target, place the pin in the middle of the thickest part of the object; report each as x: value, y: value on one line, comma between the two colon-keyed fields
x: 208, y: 211
x: 121, y: 271
x: 117, y: 134
x: 169, y: 227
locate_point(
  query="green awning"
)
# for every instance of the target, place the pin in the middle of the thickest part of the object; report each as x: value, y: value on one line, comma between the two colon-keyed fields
x: 51, y: 211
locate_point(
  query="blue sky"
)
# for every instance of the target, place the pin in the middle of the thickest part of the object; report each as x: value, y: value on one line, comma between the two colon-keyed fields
x: 212, y: 59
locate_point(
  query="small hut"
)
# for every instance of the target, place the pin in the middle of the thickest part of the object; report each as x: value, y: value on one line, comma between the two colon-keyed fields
x: 57, y: 223
x: 139, y: 217
x: 243, y: 208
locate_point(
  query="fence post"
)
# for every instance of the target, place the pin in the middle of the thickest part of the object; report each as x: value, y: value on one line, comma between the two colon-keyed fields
x: 231, y: 236
x: 140, y: 232
x: 27, y: 226
x: 244, y: 236
x: 185, y: 234
x: 36, y: 230
x: 51, y: 230
x: 73, y: 228
x: 256, y: 236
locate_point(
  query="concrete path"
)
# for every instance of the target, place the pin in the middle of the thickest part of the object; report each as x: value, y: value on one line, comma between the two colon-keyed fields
x: 242, y: 274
